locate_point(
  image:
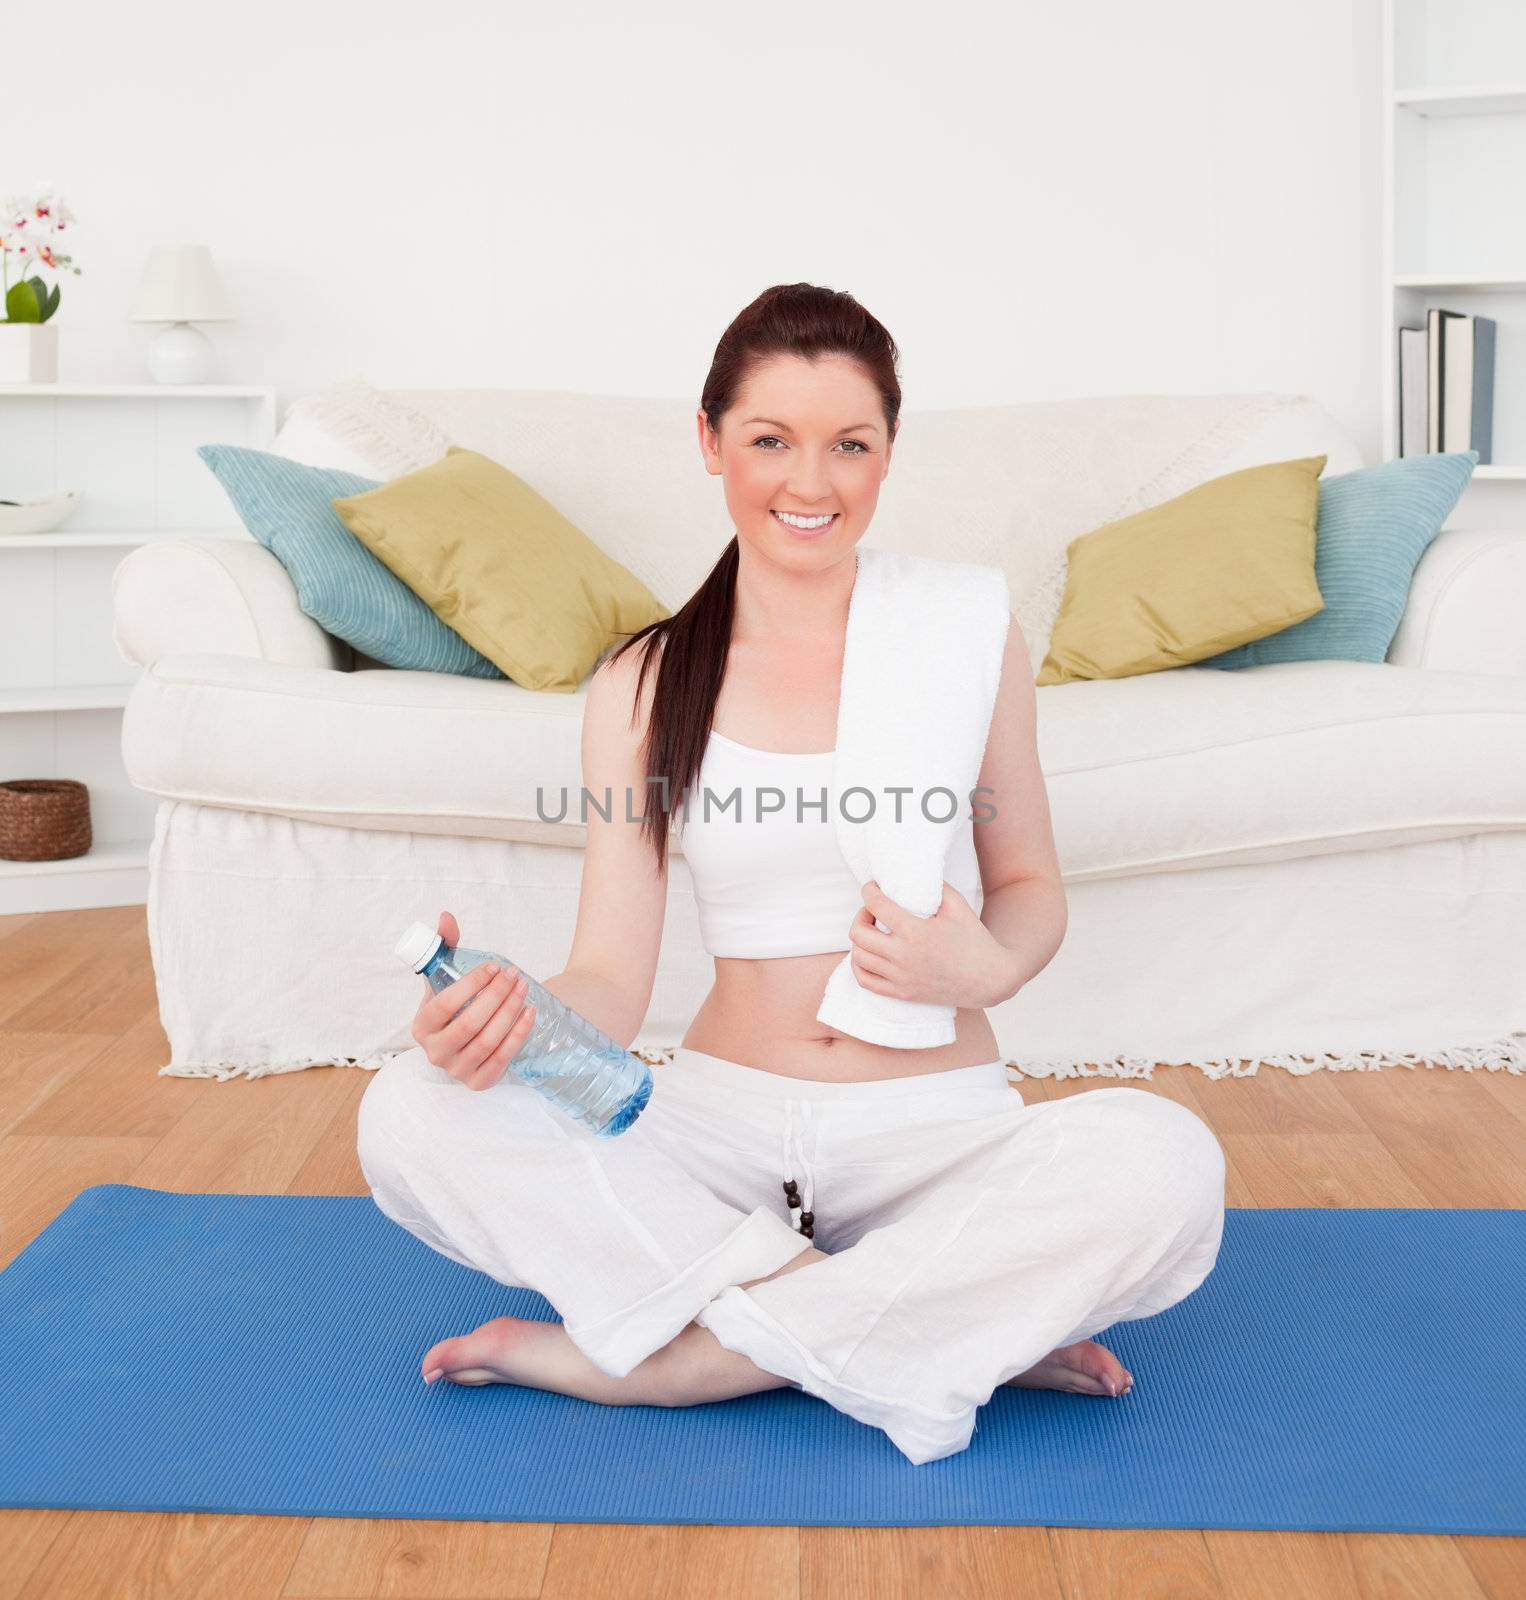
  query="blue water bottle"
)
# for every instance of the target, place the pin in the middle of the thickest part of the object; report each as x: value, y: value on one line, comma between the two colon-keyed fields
x: 579, y: 1069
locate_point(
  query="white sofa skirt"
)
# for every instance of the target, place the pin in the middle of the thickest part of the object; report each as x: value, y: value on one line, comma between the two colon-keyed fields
x: 272, y: 944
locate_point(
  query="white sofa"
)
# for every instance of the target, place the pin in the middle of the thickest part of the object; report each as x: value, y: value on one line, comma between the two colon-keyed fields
x: 1318, y: 864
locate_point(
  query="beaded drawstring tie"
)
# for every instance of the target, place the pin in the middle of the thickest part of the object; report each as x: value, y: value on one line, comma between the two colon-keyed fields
x: 807, y: 1223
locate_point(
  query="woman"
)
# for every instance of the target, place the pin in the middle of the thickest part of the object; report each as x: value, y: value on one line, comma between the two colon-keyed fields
x: 970, y: 1240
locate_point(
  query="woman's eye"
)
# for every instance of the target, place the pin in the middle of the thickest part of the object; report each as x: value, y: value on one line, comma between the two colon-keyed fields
x: 859, y: 447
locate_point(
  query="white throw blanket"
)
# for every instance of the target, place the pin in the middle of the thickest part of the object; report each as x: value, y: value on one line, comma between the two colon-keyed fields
x: 921, y: 663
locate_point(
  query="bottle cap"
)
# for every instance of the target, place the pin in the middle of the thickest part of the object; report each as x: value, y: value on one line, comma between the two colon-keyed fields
x: 417, y: 945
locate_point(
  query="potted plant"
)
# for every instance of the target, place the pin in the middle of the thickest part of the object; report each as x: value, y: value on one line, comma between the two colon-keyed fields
x: 30, y: 226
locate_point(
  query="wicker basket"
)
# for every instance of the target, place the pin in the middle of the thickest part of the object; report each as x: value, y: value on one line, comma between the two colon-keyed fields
x: 43, y: 819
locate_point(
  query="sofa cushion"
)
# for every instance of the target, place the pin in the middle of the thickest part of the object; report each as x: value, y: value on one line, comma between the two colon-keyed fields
x: 355, y: 425
x: 1226, y: 562
x: 340, y: 584
x: 1374, y: 526
x: 421, y: 752
x: 1166, y: 771
x: 1181, y: 769
x: 503, y: 567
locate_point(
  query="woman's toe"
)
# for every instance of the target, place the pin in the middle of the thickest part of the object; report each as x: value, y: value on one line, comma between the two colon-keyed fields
x: 440, y: 1359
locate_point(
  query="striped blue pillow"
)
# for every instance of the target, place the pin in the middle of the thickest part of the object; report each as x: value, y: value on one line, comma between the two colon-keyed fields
x: 351, y: 594
x: 1373, y: 526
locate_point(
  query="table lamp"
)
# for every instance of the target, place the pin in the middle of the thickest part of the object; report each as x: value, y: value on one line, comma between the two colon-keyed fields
x: 180, y: 286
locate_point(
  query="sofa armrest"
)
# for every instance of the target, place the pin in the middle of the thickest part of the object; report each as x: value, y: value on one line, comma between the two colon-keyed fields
x: 218, y: 596
x: 1467, y: 604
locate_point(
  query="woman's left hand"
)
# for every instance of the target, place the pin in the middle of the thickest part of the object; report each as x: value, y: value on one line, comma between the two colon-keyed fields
x: 949, y: 958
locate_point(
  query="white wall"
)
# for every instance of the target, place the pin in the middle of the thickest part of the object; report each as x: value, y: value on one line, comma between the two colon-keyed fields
x: 1037, y: 199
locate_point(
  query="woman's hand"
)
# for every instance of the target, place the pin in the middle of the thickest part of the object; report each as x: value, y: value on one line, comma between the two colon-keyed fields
x: 949, y: 958
x: 477, y: 1046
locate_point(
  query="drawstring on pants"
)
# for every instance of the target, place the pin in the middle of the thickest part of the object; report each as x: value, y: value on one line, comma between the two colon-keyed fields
x: 807, y: 1223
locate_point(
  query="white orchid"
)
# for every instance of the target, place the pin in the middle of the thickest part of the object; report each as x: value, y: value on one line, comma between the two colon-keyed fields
x: 30, y: 225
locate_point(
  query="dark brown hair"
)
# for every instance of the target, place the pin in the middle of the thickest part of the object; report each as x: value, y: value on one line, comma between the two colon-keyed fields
x: 690, y: 647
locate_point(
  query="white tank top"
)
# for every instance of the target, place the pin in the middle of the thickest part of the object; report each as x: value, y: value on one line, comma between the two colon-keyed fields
x: 769, y: 878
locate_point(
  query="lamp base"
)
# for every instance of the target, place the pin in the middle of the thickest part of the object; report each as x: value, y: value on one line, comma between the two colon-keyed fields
x: 181, y: 354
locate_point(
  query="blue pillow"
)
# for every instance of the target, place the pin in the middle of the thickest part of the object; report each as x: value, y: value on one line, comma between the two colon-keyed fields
x: 345, y: 589
x: 1372, y: 527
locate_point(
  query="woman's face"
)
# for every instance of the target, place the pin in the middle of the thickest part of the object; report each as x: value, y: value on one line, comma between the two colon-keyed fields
x: 804, y: 437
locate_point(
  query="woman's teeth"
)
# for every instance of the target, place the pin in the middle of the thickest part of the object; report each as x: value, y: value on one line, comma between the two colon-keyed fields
x: 803, y: 524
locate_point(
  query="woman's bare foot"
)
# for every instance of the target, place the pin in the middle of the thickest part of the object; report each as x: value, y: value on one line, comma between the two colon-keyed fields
x: 539, y: 1355
x: 692, y: 1367
x: 505, y: 1350
x: 1085, y: 1367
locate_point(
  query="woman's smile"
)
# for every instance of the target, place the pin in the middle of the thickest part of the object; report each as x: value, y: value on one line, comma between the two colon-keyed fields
x: 805, y: 527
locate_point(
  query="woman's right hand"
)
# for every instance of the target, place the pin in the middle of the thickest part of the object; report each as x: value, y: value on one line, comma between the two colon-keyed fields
x: 477, y: 1046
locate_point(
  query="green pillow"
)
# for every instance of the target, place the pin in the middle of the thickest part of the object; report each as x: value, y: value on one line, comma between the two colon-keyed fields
x: 289, y: 508
x: 503, y: 567
x: 1229, y: 561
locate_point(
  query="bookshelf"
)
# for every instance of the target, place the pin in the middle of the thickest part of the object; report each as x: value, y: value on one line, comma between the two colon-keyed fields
x: 1454, y: 233
x: 63, y: 682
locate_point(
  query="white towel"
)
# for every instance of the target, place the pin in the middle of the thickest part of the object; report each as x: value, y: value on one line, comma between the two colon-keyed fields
x: 921, y: 664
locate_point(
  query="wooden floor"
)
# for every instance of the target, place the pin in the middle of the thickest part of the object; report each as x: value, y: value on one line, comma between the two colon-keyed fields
x: 80, y: 1103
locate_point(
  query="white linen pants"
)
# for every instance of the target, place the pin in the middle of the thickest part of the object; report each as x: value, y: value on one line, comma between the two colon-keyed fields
x: 968, y: 1234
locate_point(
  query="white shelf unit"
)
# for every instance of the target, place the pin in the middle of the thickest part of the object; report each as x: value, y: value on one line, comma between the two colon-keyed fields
x: 1454, y: 232
x: 131, y: 450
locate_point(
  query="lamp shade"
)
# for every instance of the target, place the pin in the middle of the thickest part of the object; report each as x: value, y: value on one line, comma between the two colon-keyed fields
x: 180, y: 284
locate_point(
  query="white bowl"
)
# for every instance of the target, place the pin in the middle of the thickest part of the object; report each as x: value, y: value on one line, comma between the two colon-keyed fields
x: 38, y: 516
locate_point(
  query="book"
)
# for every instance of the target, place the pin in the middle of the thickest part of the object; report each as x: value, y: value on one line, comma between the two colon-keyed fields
x: 1446, y: 385
x: 1414, y: 392
x: 1467, y: 405
x: 1483, y: 389
x: 1437, y: 321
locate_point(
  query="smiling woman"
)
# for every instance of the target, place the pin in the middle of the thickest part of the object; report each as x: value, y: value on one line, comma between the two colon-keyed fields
x: 799, y: 418
x: 968, y: 1239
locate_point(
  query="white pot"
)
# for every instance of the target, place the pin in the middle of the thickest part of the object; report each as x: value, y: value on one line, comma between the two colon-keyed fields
x: 28, y: 352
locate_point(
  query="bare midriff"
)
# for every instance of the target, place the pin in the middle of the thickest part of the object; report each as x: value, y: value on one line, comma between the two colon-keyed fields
x: 762, y: 1013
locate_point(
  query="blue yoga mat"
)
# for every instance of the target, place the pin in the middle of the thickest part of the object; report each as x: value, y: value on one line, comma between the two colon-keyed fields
x: 260, y: 1353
